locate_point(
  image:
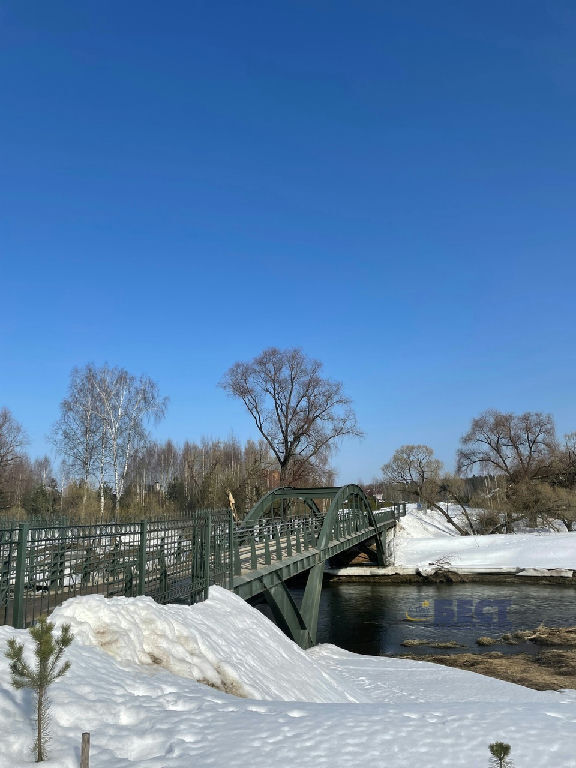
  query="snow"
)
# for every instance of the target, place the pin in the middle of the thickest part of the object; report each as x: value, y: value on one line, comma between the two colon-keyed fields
x: 208, y: 643
x: 424, y: 538
x: 217, y: 684
x: 135, y: 685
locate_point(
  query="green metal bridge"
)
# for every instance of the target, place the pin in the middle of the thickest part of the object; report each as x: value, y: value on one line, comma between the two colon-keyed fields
x: 270, y: 550
x: 290, y: 531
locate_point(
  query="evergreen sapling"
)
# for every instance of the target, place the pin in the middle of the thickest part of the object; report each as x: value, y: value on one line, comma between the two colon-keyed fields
x: 499, y: 755
x: 48, y: 650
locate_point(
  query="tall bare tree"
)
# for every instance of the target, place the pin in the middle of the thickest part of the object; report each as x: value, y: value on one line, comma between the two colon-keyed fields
x: 516, y: 445
x: 78, y: 433
x: 299, y: 413
x: 125, y: 405
x: 520, y: 447
x: 556, y: 500
x: 12, y: 440
x: 415, y: 468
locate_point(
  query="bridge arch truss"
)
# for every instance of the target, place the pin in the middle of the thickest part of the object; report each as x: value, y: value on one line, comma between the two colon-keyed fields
x: 272, y: 544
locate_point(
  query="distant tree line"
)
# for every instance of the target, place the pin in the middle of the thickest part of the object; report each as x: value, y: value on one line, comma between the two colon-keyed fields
x: 25, y: 486
x: 112, y: 469
x: 163, y: 480
x: 512, y: 466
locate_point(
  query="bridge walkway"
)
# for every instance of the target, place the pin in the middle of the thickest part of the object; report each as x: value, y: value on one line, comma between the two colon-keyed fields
x: 267, y: 551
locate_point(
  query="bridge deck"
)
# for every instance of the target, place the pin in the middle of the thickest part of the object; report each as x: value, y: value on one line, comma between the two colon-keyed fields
x: 288, y: 554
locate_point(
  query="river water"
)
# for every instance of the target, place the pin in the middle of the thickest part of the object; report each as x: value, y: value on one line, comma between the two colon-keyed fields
x: 376, y: 619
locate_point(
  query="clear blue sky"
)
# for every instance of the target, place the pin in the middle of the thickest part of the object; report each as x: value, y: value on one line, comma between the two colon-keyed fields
x: 389, y: 185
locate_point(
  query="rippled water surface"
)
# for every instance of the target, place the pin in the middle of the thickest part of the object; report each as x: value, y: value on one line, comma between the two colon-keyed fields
x: 375, y: 618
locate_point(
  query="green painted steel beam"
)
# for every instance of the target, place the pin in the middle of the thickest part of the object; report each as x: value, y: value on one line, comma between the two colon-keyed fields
x: 311, y: 602
x: 247, y: 585
x: 305, y: 494
x: 333, y: 532
x: 285, y: 610
x: 18, y: 611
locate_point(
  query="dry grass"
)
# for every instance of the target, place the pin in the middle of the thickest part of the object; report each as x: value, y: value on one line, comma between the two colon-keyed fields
x: 520, y: 636
x: 556, y: 636
x: 548, y: 670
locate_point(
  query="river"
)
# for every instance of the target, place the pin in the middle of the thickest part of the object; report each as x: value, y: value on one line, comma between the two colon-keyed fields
x: 375, y: 619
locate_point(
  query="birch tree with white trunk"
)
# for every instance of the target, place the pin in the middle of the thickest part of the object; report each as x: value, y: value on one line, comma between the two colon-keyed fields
x: 103, y: 424
x: 77, y: 434
x: 126, y: 404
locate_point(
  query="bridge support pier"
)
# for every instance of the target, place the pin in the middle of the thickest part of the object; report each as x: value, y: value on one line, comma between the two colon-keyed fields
x: 381, y: 548
x: 285, y: 611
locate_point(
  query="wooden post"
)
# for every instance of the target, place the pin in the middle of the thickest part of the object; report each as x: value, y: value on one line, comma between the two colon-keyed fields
x: 85, y: 754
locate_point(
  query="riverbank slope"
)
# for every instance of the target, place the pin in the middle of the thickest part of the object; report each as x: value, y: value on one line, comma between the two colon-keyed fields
x: 423, y: 544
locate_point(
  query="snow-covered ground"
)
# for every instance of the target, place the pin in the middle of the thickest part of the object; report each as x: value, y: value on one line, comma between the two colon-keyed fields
x: 217, y: 684
x: 425, y: 537
x: 134, y: 684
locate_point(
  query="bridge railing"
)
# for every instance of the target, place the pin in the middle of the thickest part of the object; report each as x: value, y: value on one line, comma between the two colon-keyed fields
x: 40, y: 567
x: 172, y: 561
x: 272, y: 539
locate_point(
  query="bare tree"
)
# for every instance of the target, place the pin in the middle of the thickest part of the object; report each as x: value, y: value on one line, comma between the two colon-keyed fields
x: 103, y: 423
x: 78, y: 432
x: 12, y: 440
x: 557, y: 501
x: 518, y: 446
x: 416, y: 469
x: 521, y: 447
x: 299, y: 413
x: 125, y: 405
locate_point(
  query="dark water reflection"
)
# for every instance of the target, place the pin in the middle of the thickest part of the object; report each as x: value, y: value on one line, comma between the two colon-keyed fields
x: 372, y: 618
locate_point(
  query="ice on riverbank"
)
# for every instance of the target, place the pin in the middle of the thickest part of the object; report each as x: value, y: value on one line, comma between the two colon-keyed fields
x: 132, y: 685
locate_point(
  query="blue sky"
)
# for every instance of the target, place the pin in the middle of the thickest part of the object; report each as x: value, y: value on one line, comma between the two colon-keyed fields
x: 390, y: 186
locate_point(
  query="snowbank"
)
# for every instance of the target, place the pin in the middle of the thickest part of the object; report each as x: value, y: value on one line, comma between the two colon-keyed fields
x: 144, y: 714
x: 422, y: 524
x: 222, y: 642
x: 422, y: 538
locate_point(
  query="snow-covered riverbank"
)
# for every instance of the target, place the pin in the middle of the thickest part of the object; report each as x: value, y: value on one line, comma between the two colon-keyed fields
x: 425, y: 538
x: 424, y: 541
x: 134, y: 685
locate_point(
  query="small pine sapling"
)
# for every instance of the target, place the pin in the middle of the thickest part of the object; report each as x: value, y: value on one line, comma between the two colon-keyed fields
x: 48, y: 651
x: 499, y: 755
